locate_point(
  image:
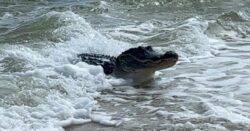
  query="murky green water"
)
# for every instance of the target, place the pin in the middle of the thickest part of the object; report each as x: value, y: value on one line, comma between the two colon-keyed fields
x: 41, y: 86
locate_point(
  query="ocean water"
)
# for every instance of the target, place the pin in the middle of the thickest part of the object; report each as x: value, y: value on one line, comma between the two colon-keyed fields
x: 44, y: 86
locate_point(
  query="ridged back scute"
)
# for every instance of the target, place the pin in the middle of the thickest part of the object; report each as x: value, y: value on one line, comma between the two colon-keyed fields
x: 138, y: 52
x: 133, y: 59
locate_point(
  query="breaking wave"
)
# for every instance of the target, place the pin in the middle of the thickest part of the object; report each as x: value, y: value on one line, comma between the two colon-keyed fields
x: 44, y: 87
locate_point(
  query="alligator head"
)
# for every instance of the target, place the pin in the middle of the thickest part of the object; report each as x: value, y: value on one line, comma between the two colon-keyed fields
x: 142, y: 62
x: 145, y: 58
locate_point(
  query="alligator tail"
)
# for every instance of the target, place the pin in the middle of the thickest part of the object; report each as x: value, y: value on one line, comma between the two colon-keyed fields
x: 106, y: 61
x: 96, y: 59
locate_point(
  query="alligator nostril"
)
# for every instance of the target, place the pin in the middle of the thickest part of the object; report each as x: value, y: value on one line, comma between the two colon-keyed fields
x: 171, y: 54
x: 175, y: 55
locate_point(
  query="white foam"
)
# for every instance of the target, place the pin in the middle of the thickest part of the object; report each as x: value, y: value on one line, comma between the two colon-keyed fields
x: 227, y: 114
x: 72, y: 121
x: 187, y: 38
x: 54, y: 93
x: 7, y: 15
x: 104, y: 119
x: 68, y: 90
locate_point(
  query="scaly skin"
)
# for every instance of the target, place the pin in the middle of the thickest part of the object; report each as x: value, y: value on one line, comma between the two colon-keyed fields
x: 138, y: 64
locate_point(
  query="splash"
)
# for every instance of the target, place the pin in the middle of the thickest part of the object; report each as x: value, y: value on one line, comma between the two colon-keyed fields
x: 48, y: 91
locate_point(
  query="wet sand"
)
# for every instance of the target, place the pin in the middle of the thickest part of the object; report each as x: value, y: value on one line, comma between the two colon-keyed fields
x: 143, y: 113
x: 139, y: 118
x: 93, y: 127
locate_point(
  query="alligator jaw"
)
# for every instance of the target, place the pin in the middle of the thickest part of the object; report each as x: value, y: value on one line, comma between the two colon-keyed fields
x: 162, y: 61
x: 140, y: 64
x: 138, y: 76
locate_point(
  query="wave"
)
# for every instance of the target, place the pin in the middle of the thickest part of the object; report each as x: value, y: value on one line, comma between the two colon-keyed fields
x: 188, y: 37
x: 176, y: 3
x: 230, y: 26
x: 45, y: 87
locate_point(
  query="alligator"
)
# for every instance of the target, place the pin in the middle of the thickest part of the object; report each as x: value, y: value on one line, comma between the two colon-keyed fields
x: 138, y: 64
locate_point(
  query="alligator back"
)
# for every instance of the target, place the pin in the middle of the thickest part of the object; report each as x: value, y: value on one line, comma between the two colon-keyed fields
x: 106, y: 61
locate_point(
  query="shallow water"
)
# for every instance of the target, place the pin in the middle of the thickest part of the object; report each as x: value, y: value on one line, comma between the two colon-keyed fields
x: 42, y: 87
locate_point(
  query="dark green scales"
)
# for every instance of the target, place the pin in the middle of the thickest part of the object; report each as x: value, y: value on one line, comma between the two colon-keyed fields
x: 138, y: 64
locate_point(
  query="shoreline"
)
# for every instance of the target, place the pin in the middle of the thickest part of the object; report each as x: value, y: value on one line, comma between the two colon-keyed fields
x: 92, y: 126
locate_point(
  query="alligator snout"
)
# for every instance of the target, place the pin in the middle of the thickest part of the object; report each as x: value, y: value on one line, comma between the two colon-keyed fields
x: 170, y: 55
